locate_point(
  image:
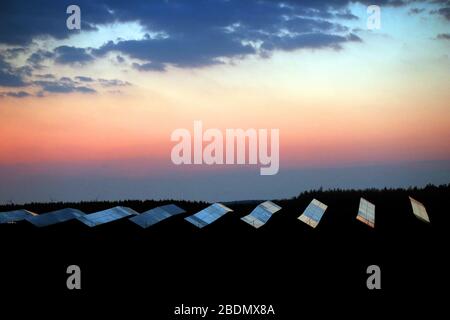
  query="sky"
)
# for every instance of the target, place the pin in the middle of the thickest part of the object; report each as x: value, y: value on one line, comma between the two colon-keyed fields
x: 88, y: 114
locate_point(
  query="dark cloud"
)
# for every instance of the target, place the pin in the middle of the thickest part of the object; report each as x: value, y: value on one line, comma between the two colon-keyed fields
x: 63, y: 85
x: 195, y: 33
x: 61, y: 55
x: 297, y: 24
x: 347, y: 15
x: 113, y: 83
x: 312, y: 40
x: 19, y: 94
x: 13, y: 53
x: 72, y: 55
x: 413, y: 11
x: 21, y: 21
x: 39, y: 56
x: 199, y: 33
x: 66, y: 79
x: 150, y: 66
x: 45, y: 76
x: 54, y: 87
x: 24, y: 71
x: 120, y: 59
x: 231, y: 41
x: 83, y: 89
x: 84, y: 79
x: 445, y: 12
x: 11, y: 76
x: 443, y: 36
x: 198, y: 50
x: 81, y: 84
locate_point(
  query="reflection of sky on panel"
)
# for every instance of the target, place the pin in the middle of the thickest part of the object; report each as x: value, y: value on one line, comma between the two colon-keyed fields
x: 208, y: 215
x: 158, y: 214
x: 261, y: 214
x: 105, y: 216
x: 315, y: 210
x: 15, y: 216
x: 54, y: 217
x: 313, y: 213
x: 366, y: 212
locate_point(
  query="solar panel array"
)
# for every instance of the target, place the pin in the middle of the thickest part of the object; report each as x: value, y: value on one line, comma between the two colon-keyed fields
x: 54, y: 217
x: 158, y: 214
x: 261, y: 214
x: 313, y: 213
x: 15, y: 216
x: 257, y: 218
x: 419, y: 210
x: 105, y: 216
x: 366, y: 213
x: 208, y: 215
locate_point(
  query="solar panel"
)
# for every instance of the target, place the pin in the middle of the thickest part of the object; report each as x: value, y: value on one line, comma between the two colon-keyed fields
x: 366, y: 213
x: 261, y: 214
x: 105, y: 216
x: 419, y: 210
x: 153, y: 216
x: 54, y: 217
x: 208, y: 215
x: 15, y: 216
x: 313, y: 213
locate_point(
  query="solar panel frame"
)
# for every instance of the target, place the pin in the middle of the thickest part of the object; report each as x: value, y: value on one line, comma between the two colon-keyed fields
x: 208, y: 215
x: 253, y: 221
x: 419, y: 210
x: 313, y: 213
x: 366, y: 212
x: 54, y: 217
x: 261, y: 214
x: 196, y: 221
x: 155, y: 215
x: 15, y: 216
x: 106, y: 216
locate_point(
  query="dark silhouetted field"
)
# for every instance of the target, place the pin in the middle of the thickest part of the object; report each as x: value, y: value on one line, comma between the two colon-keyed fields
x: 285, y: 263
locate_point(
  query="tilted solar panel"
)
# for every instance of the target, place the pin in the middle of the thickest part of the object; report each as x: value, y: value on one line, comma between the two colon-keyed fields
x: 105, y: 216
x: 153, y: 216
x: 313, y: 213
x: 261, y: 214
x: 15, y: 216
x: 208, y: 215
x: 54, y: 217
x: 366, y: 213
x: 419, y: 210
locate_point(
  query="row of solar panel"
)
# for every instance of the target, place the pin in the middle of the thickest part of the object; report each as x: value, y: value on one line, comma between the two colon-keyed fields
x: 257, y: 218
x: 366, y: 213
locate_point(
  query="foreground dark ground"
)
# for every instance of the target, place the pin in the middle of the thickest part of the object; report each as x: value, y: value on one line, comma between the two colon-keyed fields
x: 286, y: 263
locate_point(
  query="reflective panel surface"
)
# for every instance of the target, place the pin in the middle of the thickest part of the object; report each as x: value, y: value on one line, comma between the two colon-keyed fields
x: 313, y: 213
x: 105, y: 216
x: 419, y: 210
x: 366, y: 213
x: 54, y: 217
x: 208, y: 215
x: 153, y: 216
x: 261, y: 214
x: 15, y: 216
